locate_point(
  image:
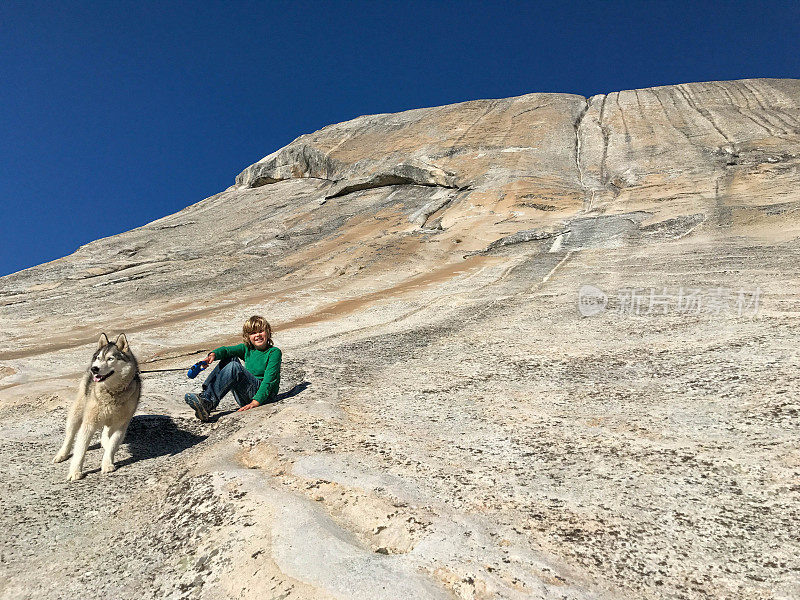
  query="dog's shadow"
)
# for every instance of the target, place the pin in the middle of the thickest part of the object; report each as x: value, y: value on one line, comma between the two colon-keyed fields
x: 151, y: 436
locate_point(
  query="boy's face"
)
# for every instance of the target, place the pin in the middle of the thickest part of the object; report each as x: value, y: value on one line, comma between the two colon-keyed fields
x: 259, y: 340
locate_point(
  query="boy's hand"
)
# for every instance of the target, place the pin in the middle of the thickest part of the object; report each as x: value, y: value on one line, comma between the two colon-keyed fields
x: 211, y: 357
x: 253, y: 404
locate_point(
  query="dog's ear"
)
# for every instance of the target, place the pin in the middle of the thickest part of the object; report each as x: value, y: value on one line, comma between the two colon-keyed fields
x: 122, y: 342
x: 103, y: 341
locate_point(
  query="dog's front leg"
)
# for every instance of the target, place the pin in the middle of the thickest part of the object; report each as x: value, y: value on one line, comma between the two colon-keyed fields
x: 111, y: 446
x: 73, y: 423
x: 85, y: 434
x: 104, y: 436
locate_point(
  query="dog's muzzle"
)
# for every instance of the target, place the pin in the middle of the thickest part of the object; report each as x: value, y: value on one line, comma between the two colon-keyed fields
x: 97, y: 378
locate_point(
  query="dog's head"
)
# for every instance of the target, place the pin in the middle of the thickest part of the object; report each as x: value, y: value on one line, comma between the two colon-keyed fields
x: 113, y: 360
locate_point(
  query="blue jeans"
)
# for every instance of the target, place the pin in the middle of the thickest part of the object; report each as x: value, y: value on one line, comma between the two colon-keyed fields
x: 230, y: 376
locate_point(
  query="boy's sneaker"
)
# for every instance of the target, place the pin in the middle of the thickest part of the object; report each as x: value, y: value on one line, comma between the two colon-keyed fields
x: 200, y: 405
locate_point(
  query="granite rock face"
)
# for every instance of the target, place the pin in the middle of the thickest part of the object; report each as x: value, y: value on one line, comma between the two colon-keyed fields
x: 542, y: 346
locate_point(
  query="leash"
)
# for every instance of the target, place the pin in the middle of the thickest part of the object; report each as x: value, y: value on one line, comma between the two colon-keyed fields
x: 193, y: 371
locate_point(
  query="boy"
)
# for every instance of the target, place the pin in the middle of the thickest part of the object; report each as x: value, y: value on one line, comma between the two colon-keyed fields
x: 254, y: 383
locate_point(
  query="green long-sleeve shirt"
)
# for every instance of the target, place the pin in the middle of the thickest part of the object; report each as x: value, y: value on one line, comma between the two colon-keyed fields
x: 263, y: 364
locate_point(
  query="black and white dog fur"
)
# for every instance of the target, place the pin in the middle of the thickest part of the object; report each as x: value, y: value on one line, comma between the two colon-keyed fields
x: 107, y: 398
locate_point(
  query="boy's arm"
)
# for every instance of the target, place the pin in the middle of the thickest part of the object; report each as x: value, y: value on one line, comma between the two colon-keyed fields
x: 224, y: 352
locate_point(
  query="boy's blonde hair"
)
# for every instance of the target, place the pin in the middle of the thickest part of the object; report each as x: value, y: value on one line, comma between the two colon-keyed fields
x: 255, y: 324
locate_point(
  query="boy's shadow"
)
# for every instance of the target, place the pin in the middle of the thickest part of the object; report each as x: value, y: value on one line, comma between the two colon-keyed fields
x: 292, y: 392
x: 282, y: 396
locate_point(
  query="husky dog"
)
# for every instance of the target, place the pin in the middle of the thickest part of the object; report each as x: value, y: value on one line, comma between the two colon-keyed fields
x: 107, y: 397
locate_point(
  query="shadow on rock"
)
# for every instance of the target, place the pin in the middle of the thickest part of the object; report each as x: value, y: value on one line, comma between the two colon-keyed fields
x: 292, y: 392
x: 297, y: 389
x: 151, y: 436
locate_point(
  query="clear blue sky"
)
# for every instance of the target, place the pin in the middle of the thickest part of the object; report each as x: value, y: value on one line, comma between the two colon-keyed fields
x: 116, y: 113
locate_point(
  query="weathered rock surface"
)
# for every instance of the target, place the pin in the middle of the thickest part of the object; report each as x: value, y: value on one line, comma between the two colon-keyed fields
x: 451, y: 424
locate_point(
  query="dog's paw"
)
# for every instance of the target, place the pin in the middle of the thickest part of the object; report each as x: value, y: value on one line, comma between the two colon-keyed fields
x: 108, y: 468
x: 75, y: 476
x: 60, y: 457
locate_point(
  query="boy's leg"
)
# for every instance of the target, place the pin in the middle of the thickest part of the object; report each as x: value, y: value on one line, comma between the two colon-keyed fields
x: 215, y: 386
x: 229, y: 375
x: 245, y: 388
x: 218, y: 383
